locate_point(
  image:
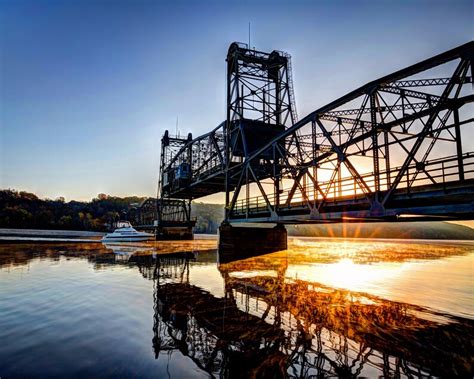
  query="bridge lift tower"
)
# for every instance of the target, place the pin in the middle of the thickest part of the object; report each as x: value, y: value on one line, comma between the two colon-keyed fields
x: 173, y: 214
x: 260, y: 106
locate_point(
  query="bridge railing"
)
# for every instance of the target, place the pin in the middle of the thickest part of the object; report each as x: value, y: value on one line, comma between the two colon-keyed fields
x: 442, y: 171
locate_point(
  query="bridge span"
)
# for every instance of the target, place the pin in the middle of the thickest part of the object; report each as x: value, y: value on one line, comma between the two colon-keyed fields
x: 398, y: 148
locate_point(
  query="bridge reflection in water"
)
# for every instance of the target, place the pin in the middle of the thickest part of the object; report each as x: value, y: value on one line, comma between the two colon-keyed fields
x: 268, y: 325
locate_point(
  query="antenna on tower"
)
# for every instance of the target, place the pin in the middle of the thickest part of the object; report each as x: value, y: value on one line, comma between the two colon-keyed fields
x: 176, y: 125
x: 249, y: 36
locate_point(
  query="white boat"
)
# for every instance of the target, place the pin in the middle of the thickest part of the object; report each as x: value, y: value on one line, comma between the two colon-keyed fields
x: 126, y: 233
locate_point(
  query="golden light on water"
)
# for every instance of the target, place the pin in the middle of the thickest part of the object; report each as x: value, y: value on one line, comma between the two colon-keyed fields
x: 346, y: 274
x: 413, y: 272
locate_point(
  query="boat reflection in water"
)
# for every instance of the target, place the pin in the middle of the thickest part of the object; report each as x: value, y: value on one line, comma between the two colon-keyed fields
x: 281, y: 315
x: 269, y: 326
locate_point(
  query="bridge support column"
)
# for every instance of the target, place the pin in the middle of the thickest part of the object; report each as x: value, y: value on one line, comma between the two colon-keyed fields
x: 250, y: 241
x: 174, y: 233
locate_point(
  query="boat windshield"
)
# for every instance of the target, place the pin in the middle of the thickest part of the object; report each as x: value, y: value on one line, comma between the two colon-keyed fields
x: 123, y: 224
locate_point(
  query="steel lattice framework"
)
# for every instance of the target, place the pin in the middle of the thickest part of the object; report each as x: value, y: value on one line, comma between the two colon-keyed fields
x: 172, y: 212
x: 389, y: 150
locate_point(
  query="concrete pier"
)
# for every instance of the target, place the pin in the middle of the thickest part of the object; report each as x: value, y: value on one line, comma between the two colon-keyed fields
x: 250, y: 241
x: 175, y: 233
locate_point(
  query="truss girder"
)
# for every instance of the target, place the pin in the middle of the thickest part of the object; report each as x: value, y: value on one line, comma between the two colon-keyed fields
x: 393, y: 120
x: 426, y: 82
x: 398, y: 134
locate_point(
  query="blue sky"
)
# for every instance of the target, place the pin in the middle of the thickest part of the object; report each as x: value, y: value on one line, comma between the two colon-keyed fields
x: 87, y: 88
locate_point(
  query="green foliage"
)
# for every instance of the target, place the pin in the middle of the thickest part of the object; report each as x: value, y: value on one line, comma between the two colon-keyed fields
x: 20, y: 209
x: 16, y: 216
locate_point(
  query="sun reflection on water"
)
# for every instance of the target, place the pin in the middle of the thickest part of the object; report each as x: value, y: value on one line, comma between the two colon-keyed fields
x: 425, y: 273
x: 347, y: 274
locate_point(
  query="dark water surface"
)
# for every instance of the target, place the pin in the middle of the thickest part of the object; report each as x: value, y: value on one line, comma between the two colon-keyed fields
x: 323, y: 308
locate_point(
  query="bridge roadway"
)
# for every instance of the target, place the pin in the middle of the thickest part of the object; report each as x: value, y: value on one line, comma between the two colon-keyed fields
x: 434, y: 201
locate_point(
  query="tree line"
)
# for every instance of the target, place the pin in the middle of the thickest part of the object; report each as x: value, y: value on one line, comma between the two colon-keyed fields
x: 24, y: 210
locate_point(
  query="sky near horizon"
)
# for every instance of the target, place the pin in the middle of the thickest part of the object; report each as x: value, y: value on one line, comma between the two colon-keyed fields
x: 87, y: 88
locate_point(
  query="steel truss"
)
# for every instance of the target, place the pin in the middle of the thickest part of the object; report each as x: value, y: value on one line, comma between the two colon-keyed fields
x: 203, y: 156
x: 171, y: 212
x: 146, y: 212
x: 387, y: 150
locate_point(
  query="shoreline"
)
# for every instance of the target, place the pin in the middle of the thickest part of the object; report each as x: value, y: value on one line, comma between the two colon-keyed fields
x: 45, y: 240
x: 41, y: 236
x: 20, y: 236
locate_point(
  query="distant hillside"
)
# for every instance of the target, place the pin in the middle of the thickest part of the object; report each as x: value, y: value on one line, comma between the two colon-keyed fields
x: 403, y: 230
x: 209, y: 217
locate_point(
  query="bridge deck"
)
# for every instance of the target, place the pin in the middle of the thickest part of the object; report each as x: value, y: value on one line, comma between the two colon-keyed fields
x: 453, y: 200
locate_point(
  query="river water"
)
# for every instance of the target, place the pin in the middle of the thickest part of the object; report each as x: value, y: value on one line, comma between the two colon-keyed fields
x: 322, y: 308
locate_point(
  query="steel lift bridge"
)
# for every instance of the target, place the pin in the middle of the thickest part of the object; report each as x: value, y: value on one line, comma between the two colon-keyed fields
x: 391, y: 150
